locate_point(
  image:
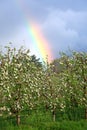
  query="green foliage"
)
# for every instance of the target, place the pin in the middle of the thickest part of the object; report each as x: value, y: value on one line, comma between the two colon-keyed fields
x: 19, y: 78
x: 25, y: 84
x: 74, y: 78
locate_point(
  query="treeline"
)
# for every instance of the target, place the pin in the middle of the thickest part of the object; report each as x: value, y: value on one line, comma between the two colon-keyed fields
x: 25, y: 83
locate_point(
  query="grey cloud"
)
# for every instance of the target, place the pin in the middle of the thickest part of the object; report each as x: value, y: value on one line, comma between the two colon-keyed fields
x: 10, y: 19
x: 64, y: 23
x: 66, y: 29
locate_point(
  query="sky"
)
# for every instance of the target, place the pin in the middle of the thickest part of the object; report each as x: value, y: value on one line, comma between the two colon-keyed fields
x: 63, y: 23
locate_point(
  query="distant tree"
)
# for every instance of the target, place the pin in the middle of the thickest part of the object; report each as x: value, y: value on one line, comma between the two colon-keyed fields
x: 57, y: 68
x: 36, y: 61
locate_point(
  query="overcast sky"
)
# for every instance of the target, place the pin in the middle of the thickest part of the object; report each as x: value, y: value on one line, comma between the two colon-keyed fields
x: 63, y: 23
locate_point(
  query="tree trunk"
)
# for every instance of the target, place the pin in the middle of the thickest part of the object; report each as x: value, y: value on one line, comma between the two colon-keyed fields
x: 86, y: 113
x: 54, y: 115
x: 18, y: 119
x: 85, y: 92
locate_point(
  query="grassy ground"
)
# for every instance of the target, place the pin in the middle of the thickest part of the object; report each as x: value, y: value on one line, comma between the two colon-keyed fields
x: 41, y: 122
x: 63, y: 125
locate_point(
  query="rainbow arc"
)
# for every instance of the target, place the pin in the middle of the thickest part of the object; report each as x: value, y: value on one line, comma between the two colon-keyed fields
x: 40, y: 43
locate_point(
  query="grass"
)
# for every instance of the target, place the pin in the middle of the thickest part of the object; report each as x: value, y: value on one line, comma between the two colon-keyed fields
x: 42, y: 121
x: 63, y: 125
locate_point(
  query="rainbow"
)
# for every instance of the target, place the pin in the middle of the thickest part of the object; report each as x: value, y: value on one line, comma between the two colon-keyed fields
x: 41, y: 44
